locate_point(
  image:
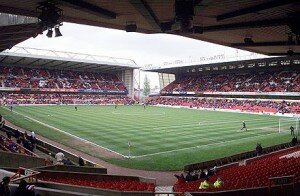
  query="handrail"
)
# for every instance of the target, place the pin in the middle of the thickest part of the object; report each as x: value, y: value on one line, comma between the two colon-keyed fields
x: 33, y: 173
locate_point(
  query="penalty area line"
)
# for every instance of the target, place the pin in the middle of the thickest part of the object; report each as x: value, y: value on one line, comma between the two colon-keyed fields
x: 200, y: 146
x: 69, y: 134
x: 227, y: 122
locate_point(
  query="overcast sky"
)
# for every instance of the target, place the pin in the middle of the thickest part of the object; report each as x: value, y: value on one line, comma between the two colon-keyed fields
x: 144, y: 49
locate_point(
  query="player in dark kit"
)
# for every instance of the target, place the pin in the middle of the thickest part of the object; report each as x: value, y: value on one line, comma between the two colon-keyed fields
x: 244, y: 126
x: 76, y: 108
x: 292, y: 130
x: 116, y: 106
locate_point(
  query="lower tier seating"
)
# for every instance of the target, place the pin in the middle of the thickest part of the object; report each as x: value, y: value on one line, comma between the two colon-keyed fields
x: 257, y: 106
x: 121, y: 185
x: 56, y: 98
x: 255, y: 173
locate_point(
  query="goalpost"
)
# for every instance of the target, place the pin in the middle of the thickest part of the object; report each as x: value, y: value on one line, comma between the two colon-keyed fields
x: 286, y: 123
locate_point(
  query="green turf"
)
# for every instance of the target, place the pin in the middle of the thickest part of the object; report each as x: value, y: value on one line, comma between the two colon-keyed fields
x: 161, y: 138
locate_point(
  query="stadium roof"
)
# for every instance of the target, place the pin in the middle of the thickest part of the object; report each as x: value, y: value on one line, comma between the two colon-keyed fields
x: 270, y: 26
x: 15, y: 29
x: 245, y: 64
x: 50, y: 59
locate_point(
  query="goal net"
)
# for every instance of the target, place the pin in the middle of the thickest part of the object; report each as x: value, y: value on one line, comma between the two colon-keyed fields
x: 285, y: 125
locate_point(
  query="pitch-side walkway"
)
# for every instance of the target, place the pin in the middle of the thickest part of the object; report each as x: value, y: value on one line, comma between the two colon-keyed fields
x: 163, y: 178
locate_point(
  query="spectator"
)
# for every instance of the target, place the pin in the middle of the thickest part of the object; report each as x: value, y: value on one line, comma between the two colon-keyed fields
x: 258, y: 149
x: 2, y: 124
x: 19, y: 141
x: 24, y: 189
x: 205, y: 184
x: 25, y: 135
x: 67, y: 162
x: 218, y: 183
x: 195, y: 176
x: 188, y: 177
x: 28, y: 145
x: 49, y: 160
x: 294, y: 141
x: 32, y: 140
x: 17, y: 134
x: 180, y: 178
x: 80, y: 161
x: 8, y: 134
x: 12, y: 146
x: 212, y: 171
x: 32, y: 134
x: 59, y: 158
x: 202, y: 174
x: 4, y: 189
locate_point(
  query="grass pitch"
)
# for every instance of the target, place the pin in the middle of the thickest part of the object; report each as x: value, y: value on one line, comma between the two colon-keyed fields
x: 160, y: 138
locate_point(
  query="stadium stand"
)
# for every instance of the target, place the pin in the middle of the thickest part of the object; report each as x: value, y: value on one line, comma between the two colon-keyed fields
x: 121, y: 183
x: 62, y: 98
x: 258, y: 106
x: 253, y: 173
x: 51, y: 80
x: 273, y: 25
x: 283, y: 81
x: 60, y: 87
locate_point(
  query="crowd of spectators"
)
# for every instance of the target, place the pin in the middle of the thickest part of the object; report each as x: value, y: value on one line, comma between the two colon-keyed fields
x: 16, y: 77
x: 284, y: 81
x: 24, y: 143
x: 58, y: 98
x: 233, y: 104
x: 202, y: 175
x: 196, y: 174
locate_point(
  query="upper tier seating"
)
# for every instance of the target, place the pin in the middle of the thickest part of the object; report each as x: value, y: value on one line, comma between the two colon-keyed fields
x: 255, y: 173
x: 16, y: 77
x: 284, y: 81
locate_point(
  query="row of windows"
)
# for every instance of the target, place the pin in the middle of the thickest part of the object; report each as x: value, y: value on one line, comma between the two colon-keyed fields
x: 241, y: 66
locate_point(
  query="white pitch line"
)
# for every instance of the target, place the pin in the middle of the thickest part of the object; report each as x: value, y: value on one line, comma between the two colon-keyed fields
x: 74, y: 136
x: 226, y: 122
x: 204, y: 124
x: 214, y: 129
x: 139, y: 114
x: 150, y: 154
x: 200, y: 146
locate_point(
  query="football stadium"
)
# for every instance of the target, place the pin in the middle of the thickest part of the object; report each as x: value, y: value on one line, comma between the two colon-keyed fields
x: 83, y: 124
